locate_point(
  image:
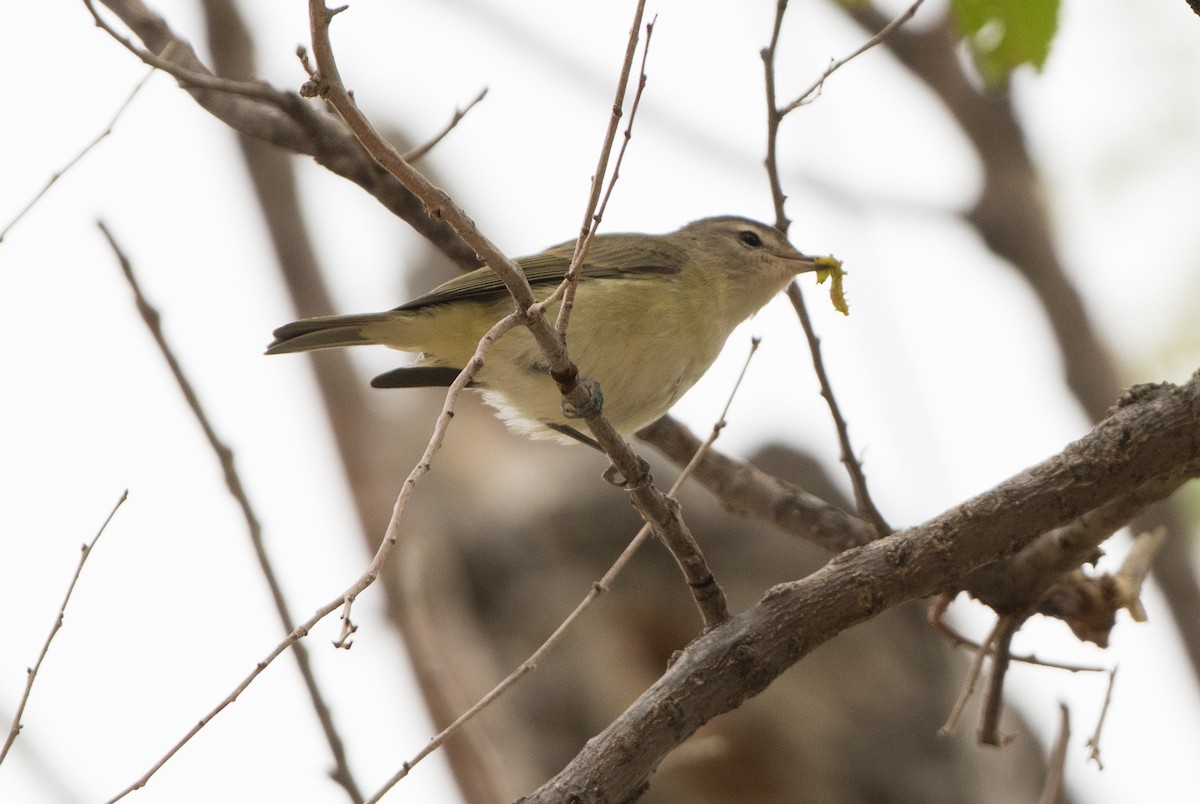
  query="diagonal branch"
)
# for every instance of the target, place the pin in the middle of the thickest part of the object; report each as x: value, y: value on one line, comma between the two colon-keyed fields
x: 745, y: 489
x: 280, y: 118
x: 1155, y: 435
x: 31, y: 674
x: 652, y: 504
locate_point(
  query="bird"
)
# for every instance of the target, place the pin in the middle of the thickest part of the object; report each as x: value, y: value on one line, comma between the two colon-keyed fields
x: 651, y: 314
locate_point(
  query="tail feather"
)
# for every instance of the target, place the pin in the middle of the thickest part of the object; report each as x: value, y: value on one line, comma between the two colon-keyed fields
x: 323, y: 332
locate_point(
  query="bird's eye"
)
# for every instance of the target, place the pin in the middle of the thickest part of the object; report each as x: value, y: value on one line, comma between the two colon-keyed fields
x: 750, y: 238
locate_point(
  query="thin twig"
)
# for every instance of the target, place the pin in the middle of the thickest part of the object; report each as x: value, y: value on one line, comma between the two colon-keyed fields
x: 598, y: 588
x: 31, y: 673
x: 774, y: 118
x: 424, y: 465
x: 256, y: 90
x: 1131, y: 575
x: 858, y: 479
x: 938, y: 621
x: 416, y: 153
x: 993, y: 698
x: 862, y: 496
x: 1093, y: 743
x: 86, y: 149
x: 884, y: 33
x: 233, y: 483
x: 594, y: 214
x: 744, y: 489
x: 968, y: 688
x: 1052, y: 789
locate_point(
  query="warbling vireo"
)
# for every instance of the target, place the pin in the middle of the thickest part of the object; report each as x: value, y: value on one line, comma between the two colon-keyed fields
x: 651, y: 314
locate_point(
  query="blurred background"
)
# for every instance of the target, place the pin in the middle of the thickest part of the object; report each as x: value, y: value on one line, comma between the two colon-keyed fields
x: 1015, y: 259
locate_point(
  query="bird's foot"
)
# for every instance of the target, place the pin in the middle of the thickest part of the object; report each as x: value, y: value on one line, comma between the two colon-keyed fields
x: 592, y: 407
x: 613, y: 475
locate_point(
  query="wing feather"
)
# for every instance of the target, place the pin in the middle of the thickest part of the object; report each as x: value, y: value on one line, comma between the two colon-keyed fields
x: 610, y: 255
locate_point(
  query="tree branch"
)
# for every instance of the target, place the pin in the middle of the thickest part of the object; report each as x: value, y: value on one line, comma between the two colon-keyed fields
x: 1154, y: 434
x: 775, y: 115
x: 657, y: 509
x: 280, y: 118
x: 745, y: 489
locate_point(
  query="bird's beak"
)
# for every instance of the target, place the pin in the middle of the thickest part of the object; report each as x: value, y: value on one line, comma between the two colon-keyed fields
x: 802, y: 263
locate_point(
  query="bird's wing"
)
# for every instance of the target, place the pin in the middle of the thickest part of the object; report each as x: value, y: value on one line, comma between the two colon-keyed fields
x: 609, y: 256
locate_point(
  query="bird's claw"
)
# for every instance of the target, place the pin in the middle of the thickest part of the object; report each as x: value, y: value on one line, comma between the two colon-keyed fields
x: 613, y: 475
x: 592, y: 407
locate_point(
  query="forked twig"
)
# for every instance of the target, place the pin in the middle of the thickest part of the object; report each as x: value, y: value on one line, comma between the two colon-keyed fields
x: 187, y: 77
x: 805, y: 96
x: 989, y: 720
x: 935, y: 618
x: 968, y: 688
x: 775, y: 115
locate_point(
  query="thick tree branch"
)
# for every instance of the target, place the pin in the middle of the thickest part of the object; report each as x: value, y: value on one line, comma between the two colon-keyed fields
x: 1012, y: 584
x: 1154, y: 434
x: 1011, y: 219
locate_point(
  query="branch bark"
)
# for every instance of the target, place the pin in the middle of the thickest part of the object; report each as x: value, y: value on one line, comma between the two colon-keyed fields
x: 1154, y: 434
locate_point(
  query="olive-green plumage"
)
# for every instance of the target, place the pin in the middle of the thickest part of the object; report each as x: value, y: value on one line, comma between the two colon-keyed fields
x: 651, y: 314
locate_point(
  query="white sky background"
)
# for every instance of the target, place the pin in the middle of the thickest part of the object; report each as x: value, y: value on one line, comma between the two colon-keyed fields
x: 944, y: 368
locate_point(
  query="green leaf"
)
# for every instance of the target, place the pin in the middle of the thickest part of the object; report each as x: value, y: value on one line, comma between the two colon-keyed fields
x: 1004, y: 34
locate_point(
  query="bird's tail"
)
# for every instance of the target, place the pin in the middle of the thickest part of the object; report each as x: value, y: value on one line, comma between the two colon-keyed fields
x: 324, y: 332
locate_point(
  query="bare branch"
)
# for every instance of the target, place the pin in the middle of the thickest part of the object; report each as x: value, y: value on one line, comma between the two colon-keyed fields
x: 31, y: 673
x: 935, y: 617
x: 866, y: 505
x: 1055, y: 785
x: 598, y: 588
x: 738, y: 659
x: 993, y: 697
x: 745, y: 489
x: 1093, y: 743
x: 280, y: 118
x: 858, y: 479
x: 651, y: 503
x: 237, y: 491
x: 345, y: 600
x: 418, y: 152
x: 983, y: 650
x: 806, y: 96
x: 79, y: 156
x: 594, y: 214
x: 1018, y: 581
